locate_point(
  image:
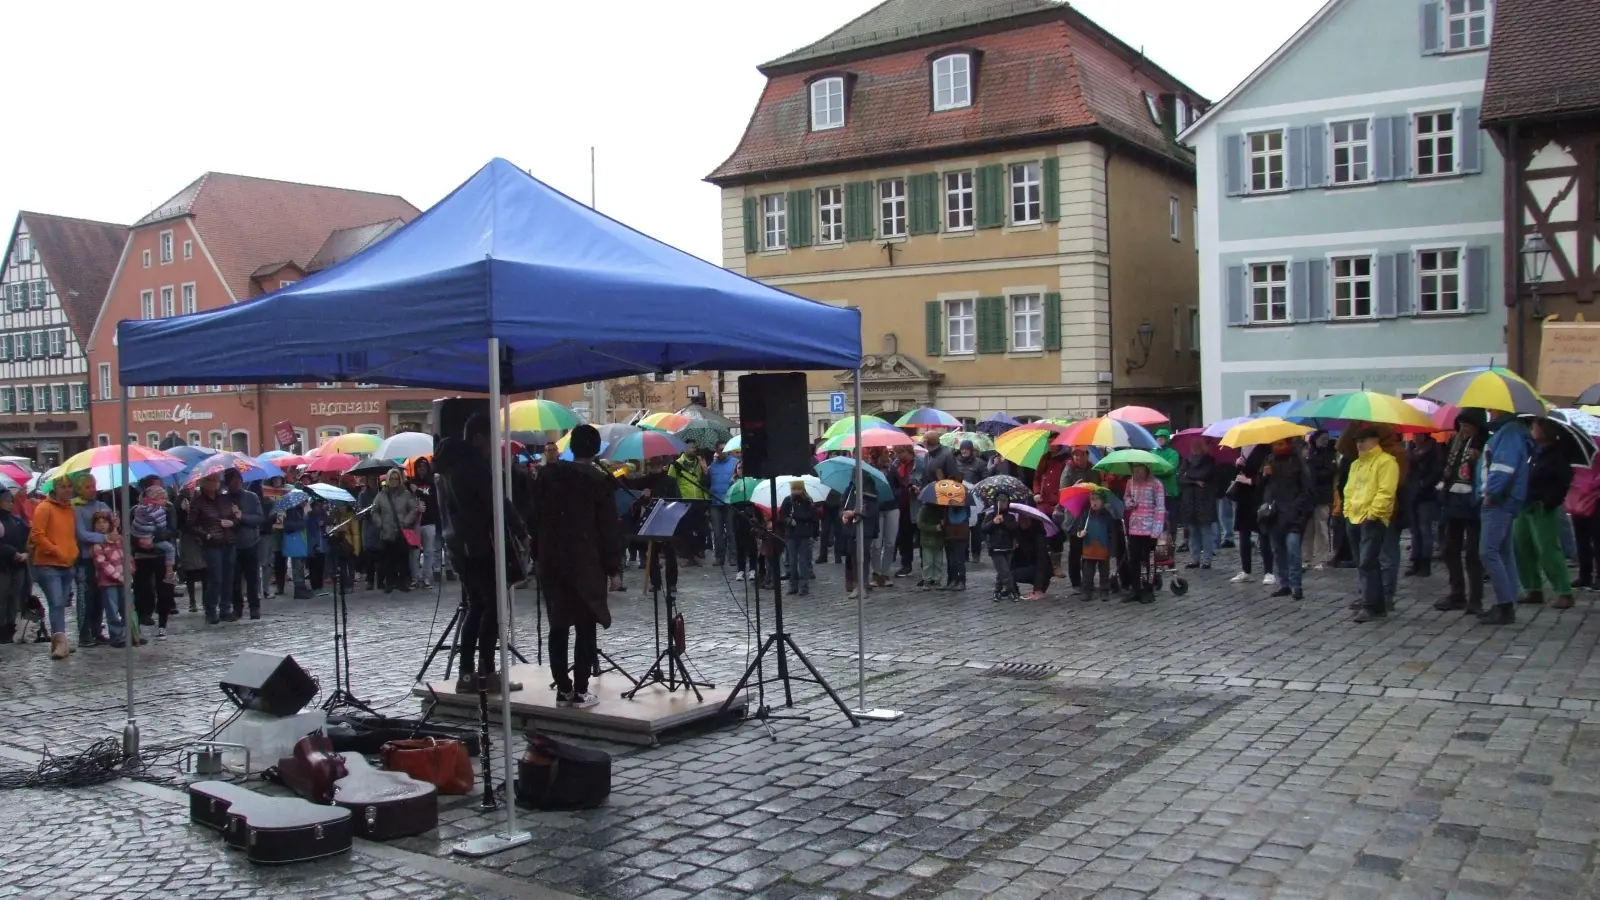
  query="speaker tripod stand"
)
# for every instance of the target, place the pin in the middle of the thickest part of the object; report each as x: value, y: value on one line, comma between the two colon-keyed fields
x: 449, y: 641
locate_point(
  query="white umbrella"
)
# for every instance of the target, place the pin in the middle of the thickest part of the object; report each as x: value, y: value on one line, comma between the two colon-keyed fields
x: 815, y: 489
x: 405, y: 445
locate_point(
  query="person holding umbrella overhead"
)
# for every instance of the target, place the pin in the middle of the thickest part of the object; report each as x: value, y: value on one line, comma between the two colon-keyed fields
x: 1535, y: 530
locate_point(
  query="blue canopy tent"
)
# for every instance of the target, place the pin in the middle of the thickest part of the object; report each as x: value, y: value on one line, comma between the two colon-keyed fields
x: 505, y: 268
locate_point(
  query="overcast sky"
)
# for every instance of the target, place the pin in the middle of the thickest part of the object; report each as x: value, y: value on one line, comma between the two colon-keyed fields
x: 116, y: 106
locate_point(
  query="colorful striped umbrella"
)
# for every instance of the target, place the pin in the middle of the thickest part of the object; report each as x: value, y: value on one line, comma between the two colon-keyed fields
x: 1486, y: 387
x: 1105, y: 432
x: 338, y: 463
x: 105, y: 464
x: 644, y: 445
x: 353, y: 442
x: 1025, y: 445
x: 847, y: 425
x: 871, y: 438
x: 1441, y: 414
x: 1264, y: 431
x: 666, y: 421
x: 1121, y: 462
x: 1138, y: 415
x: 980, y: 442
x: 249, y: 469
x: 1075, y: 499
x: 539, y: 415
x: 928, y: 417
x: 1367, y: 406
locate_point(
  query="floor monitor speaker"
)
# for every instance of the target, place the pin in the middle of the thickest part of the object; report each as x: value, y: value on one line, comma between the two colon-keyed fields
x: 272, y: 683
x: 776, y: 428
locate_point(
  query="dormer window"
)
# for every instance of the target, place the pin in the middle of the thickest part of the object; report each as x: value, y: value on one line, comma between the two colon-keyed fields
x: 1180, y: 112
x: 952, y: 81
x: 827, y: 103
x: 1153, y: 107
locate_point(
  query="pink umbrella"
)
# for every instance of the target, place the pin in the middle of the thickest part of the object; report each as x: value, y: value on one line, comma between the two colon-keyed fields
x: 1184, y: 442
x: 332, y: 462
x: 1138, y: 415
x: 1442, y: 414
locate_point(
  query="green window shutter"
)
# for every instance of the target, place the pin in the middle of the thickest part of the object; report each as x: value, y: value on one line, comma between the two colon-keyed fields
x: 991, y: 211
x: 992, y: 325
x: 1052, y: 321
x: 799, y: 218
x: 752, y: 237
x: 858, y: 215
x: 922, y: 203
x: 1052, y: 189
x: 934, y: 312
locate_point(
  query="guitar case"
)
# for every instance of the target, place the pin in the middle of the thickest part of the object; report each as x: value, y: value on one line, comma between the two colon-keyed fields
x: 554, y: 775
x: 385, y: 805
x: 270, y: 830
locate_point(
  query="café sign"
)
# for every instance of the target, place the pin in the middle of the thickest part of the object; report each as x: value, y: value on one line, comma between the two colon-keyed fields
x: 347, y: 408
x: 183, y: 412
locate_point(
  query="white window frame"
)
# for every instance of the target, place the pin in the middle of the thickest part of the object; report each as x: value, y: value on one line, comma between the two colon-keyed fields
x: 60, y: 392
x: 775, y: 221
x: 188, y: 253
x: 24, y: 399
x: 287, y: 386
x: 1266, y: 155
x: 105, y: 381
x: 955, y: 71
x: 1335, y: 280
x: 8, y: 401
x: 1180, y: 108
x: 892, y: 208
x: 58, y: 341
x: 1250, y: 285
x: 213, y: 388
x: 38, y: 298
x: 187, y: 292
x: 164, y: 242
x: 1434, y: 137
x: 282, y: 283
x: 169, y: 307
x: 1154, y: 107
x: 964, y: 217
x: 827, y: 103
x: 1025, y: 181
x: 830, y: 215
x: 1175, y: 220
x: 193, y: 439
x: 971, y: 332
x: 147, y: 304
x: 144, y: 257
x: 215, y: 438
x: 1419, y: 278
x: 24, y: 249
x: 328, y: 431
x: 41, y: 392
x: 1012, y: 314
x: 103, y: 439
x: 79, y: 396
x: 41, y: 345
x: 1449, y: 17
x: 1279, y: 396
x: 1352, y: 148
x: 170, y: 390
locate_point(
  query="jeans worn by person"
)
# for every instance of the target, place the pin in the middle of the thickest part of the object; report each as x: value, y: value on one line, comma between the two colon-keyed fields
x: 1368, y: 538
x: 1496, y: 548
x: 1203, y: 541
x: 425, y: 559
x: 56, y: 583
x: 1391, y: 561
x: 1286, y: 554
x: 1424, y: 528
x: 247, y: 583
x: 218, y: 592
x: 797, y: 567
x: 1005, y: 586
x: 883, y: 560
x: 722, y: 533
x: 1224, y: 520
x: 111, y: 602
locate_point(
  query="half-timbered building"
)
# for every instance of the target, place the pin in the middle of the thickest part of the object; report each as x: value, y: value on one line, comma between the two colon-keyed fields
x: 55, y: 276
x: 1541, y: 104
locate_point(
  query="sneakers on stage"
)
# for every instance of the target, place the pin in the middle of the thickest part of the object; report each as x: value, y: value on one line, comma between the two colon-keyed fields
x: 572, y: 700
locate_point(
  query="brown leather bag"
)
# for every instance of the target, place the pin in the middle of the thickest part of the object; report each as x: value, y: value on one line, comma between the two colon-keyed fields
x: 442, y: 763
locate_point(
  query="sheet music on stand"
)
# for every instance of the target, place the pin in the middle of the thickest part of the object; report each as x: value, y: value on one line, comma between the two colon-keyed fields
x: 661, y: 523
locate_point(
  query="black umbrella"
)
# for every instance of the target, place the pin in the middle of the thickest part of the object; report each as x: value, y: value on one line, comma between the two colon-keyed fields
x: 696, y: 411
x: 372, y: 466
x: 1590, y: 396
x: 1578, y: 446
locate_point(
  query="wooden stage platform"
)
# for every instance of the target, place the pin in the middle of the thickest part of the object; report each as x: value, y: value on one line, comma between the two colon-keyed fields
x: 643, y: 720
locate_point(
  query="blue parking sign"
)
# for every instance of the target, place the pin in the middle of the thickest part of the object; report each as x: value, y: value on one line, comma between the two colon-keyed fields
x: 836, y: 402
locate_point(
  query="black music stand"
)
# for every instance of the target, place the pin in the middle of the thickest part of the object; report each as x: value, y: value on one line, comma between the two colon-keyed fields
x: 342, y: 695
x: 661, y: 524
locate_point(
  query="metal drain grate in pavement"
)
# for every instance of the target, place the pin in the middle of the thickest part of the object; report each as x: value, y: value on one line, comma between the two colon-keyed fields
x: 1020, y: 671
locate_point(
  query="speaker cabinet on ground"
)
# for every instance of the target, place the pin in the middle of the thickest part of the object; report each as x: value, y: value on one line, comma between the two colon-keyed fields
x: 776, y: 428
x: 450, y: 415
x: 272, y: 683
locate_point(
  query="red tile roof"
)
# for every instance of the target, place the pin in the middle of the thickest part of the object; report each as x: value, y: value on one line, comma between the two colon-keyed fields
x: 80, y: 257
x: 250, y: 222
x: 1045, y: 79
x: 1544, y: 61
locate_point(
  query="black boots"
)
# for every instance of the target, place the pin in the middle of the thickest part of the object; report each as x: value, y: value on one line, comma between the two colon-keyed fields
x: 1499, y: 614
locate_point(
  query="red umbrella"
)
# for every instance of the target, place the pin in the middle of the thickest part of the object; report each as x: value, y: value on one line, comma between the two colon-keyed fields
x: 1138, y: 415
x: 14, y: 472
x: 332, y: 462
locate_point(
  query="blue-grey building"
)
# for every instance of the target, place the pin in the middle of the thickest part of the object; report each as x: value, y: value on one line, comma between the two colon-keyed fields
x: 1351, y: 210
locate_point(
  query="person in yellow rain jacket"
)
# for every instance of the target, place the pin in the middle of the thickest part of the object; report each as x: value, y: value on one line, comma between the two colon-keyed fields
x: 1369, y: 507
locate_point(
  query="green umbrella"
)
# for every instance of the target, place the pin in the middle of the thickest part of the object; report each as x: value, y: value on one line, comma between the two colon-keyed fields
x: 1121, y: 462
x: 704, y: 433
x: 980, y: 442
x: 847, y: 425
x: 742, y: 491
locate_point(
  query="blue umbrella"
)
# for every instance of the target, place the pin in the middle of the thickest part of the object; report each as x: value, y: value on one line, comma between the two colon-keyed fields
x: 191, y: 455
x: 839, y: 474
x: 1283, y: 410
x: 330, y: 492
x: 249, y: 468
x: 997, y: 424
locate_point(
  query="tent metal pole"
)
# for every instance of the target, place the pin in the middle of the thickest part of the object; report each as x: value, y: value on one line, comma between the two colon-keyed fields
x: 862, y: 710
x: 130, y: 731
x: 496, y: 843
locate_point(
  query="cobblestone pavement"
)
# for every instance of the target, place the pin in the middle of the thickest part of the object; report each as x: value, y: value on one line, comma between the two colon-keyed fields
x: 1222, y: 744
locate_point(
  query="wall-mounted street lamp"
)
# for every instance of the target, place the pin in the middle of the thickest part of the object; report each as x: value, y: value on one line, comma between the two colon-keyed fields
x: 1144, y: 338
x: 1535, y: 260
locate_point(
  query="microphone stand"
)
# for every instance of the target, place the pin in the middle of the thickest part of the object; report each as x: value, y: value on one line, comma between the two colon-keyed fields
x: 343, y: 694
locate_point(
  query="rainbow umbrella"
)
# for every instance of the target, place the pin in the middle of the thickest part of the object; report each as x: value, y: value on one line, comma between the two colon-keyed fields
x: 539, y: 415
x: 249, y: 469
x: 1264, y: 431
x: 353, y: 442
x: 871, y: 438
x: 1138, y: 415
x: 1075, y: 499
x: 666, y: 421
x: 1105, y: 432
x: 1025, y: 445
x: 980, y: 442
x: 1367, y: 406
x: 105, y: 464
x: 1121, y: 462
x: 847, y: 425
x: 644, y: 445
x: 1486, y: 387
x: 928, y: 417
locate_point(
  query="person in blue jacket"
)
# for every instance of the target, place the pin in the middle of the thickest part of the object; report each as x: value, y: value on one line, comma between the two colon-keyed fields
x: 1504, y: 473
x: 719, y: 477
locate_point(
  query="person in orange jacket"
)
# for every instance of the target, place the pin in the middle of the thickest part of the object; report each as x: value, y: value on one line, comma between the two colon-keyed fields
x: 53, y: 539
